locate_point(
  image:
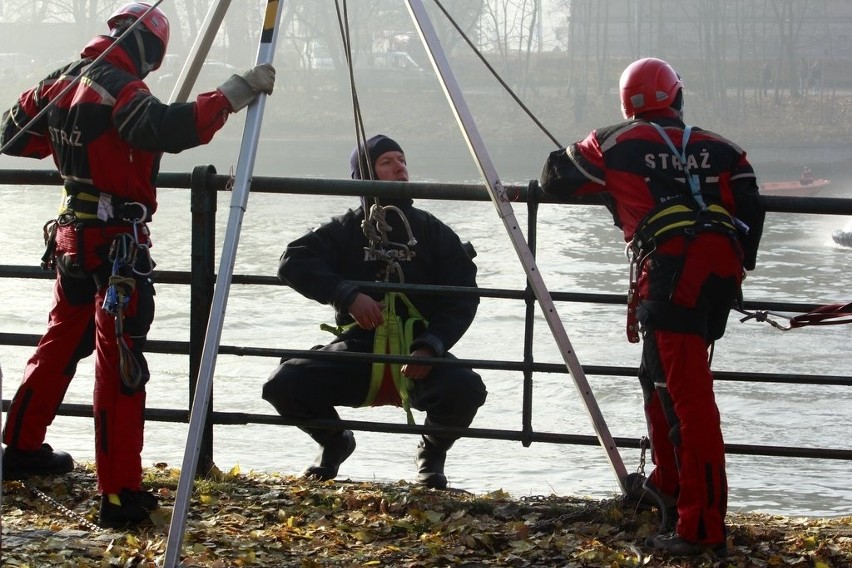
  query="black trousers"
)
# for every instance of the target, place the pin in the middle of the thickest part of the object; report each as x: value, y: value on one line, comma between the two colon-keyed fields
x: 311, y: 388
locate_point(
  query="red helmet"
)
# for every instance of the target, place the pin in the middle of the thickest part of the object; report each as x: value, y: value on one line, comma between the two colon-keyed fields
x: 648, y: 84
x: 155, y: 21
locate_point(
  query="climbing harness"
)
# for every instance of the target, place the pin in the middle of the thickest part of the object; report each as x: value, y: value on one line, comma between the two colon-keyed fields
x: 675, y: 217
x: 831, y: 314
x: 679, y: 216
x: 81, y: 202
x: 129, y: 257
x: 394, y: 337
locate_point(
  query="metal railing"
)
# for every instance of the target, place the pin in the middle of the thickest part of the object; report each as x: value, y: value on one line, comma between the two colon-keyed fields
x: 205, y: 184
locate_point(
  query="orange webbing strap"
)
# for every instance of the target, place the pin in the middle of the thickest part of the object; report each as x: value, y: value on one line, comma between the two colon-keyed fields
x: 832, y: 314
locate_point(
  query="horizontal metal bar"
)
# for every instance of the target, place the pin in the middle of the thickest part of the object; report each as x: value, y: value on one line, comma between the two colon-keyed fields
x: 182, y: 348
x: 243, y: 418
x: 180, y: 277
x: 412, y: 189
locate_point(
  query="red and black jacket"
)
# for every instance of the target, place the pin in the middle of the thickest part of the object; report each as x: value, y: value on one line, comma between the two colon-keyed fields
x: 108, y: 131
x: 632, y: 167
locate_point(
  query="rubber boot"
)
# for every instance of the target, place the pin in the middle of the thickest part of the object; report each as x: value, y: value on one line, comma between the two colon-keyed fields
x: 335, y: 449
x: 430, y: 457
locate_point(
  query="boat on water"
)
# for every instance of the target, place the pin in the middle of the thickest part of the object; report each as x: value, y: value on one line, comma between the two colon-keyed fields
x: 798, y: 188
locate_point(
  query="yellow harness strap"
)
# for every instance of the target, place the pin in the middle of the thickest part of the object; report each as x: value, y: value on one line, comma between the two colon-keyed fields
x: 393, y: 337
x: 679, y: 219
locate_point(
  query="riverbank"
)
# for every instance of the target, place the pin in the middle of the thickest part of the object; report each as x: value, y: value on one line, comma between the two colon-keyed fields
x: 264, y: 520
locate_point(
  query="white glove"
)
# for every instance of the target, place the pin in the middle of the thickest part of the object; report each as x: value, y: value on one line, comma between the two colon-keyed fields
x: 240, y: 90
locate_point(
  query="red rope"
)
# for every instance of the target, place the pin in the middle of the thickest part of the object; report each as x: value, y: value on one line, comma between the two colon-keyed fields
x: 832, y: 314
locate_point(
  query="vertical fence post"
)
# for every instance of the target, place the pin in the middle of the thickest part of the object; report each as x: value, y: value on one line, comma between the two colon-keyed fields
x: 529, y: 318
x: 202, y: 281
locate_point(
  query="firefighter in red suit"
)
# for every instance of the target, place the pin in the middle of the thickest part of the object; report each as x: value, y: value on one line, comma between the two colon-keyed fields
x: 687, y: 202
x: 106, y: 136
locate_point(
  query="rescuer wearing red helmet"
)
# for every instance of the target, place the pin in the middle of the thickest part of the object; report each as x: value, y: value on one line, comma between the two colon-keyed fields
x: 687, y: 202
x: 106, y: 137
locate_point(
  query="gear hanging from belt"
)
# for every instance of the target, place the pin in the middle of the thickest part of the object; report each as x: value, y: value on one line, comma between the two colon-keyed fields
x: 375, y: 227
x: 126, y: 265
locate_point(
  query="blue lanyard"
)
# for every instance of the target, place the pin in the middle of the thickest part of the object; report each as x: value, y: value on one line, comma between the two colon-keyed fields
x: 692, y: 180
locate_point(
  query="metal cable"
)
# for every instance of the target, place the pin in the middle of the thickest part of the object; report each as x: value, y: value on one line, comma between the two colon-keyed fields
x: 497, y: 76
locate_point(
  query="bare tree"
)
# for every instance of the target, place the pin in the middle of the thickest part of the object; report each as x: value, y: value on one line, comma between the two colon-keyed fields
x: 466, y: 15
x: 508, y: 28
x: 789, y: 18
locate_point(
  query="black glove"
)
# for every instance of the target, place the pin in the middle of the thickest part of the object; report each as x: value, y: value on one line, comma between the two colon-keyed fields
x: 240, y: 90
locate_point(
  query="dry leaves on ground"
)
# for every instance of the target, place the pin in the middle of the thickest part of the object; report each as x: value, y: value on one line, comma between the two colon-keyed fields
x: 267, y: 520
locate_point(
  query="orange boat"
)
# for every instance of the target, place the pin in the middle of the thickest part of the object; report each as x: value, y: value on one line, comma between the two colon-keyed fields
x: 798, y: 188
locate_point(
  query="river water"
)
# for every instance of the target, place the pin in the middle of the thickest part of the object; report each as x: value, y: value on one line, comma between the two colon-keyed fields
x: 579, y: 251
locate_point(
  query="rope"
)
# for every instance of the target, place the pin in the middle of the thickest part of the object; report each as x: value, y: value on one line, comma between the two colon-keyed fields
x: 390, y: 337
x: 358, y: 118
x: 497, y: 76
x: 823, y: 316
x: 120, y: 287
x: 832, y: 314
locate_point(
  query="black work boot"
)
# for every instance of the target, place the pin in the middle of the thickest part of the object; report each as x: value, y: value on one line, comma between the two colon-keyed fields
x: 335, y: 450
x: 127, y: 508
x: 640, y: 490
x: 678, y: 546
x: 21, y: 464
x: 430, y: 457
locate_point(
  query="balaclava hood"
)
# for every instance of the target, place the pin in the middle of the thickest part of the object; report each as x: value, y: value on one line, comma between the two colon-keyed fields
x: 143, y: 47
x: 375, y: 147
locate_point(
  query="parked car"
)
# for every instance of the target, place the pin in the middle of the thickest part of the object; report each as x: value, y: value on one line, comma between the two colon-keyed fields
x: 395, y: 60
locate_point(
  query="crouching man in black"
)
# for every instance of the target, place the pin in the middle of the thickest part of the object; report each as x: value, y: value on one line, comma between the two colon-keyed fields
x: 383, y: 240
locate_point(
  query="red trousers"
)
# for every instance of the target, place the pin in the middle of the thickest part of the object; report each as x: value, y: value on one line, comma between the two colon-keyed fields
x: 687, y: 288
x: 77, y: 326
